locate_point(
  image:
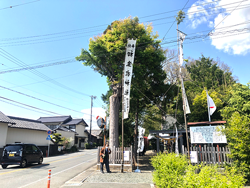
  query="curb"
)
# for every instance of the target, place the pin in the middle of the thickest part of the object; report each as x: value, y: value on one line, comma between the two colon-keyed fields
x: 80, y: 178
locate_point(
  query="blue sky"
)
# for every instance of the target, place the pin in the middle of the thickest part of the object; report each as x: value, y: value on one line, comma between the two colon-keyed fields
x: 45, y: 31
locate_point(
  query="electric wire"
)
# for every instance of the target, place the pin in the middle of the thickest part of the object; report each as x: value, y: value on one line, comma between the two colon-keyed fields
x: 24, y: 107
x: 39, y: 66
x: 225, y: 17
x: 22, y: 64
x: 19, y: 5
x: 29, y: 106
x: 39, y: 99
x: 9, y: 44
x: 21, y: 86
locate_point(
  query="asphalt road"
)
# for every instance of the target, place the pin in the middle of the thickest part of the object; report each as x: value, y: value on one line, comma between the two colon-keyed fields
x: 63, y: 168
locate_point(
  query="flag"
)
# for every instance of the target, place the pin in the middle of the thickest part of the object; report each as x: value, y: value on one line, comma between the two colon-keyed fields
x: 128, y: 71
x: 187, y: 109
x: 211, y: 105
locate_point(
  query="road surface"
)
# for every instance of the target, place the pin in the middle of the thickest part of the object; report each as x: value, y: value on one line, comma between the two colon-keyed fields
x: 63, y: 168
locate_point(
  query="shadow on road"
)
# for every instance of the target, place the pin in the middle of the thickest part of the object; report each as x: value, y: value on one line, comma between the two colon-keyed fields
x: 144, y: 161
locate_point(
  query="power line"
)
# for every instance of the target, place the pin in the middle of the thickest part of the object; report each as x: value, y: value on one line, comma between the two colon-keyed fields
x: 19, y: 5
x: 21, y: 43
x: 178, y: 9
x: 39, y: 66
x: 225, y: 17
x: 22, y: 64
x: 41, y: 100
x: 29, y: 105
x: 40, y: 93
x: 23, y: 107
x: 41, y: 63
x: 208, y: 39
x: 70, y: 31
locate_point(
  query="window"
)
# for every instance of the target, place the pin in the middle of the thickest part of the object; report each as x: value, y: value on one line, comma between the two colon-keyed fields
x: 72, y: 127
x: 34, y: 148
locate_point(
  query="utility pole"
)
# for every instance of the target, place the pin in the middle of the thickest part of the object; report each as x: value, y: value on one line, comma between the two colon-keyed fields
x: 182, y: 86
x: 92, y: 97
x: 179, y: 19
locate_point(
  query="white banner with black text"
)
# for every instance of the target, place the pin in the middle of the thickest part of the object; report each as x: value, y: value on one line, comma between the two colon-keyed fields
x: 128, y: 70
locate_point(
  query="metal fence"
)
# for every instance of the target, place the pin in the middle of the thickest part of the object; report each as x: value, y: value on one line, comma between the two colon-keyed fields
x: 210, y: 155
x: 116, y: 155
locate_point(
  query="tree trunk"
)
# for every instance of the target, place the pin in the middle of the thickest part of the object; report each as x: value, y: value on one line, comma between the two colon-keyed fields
x: 114, y: 102
x: 136, y: 135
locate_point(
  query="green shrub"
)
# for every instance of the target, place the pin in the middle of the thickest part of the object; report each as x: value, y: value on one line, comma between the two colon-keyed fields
x: 73, y: 149
x: 87, y: 146
x: 173, y: 171
x: 209, y: 176
x: 169, y: 169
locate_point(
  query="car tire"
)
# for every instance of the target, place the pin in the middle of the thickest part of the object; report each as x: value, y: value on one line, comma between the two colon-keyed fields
x: 23, y: 163
x: 40, y: 160
x: 4, y: 166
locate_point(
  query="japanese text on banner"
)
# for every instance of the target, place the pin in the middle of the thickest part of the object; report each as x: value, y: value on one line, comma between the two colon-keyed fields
x: 128, y: 70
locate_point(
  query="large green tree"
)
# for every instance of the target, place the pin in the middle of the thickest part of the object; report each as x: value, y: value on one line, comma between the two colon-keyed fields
x: 206, y: 74
x: 237, y: 115
x: 106, y: 55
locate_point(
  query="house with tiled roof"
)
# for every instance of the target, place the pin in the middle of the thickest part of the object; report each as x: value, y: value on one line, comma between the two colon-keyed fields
x: 16, y: 129
x: 98, y: 133
x: 66, y: 124
x: 4, y: 123
x: 27, y: 131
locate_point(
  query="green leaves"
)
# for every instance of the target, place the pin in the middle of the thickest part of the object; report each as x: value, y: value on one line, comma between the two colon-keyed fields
x: 237, y: 115
x: 180, y: 17
x: 173, y: 171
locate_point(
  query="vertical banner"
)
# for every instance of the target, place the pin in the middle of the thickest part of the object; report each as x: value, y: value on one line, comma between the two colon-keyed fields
x: 128, y: 70
x: 187, y: 109
x: 176, y: 141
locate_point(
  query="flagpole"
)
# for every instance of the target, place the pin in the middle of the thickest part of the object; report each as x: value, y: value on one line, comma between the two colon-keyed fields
x: 208, y: 110
x: 209, y: 118
x: 122, y: 121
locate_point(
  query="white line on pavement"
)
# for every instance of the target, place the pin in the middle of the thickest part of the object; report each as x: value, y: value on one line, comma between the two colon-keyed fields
x: 55, y: 173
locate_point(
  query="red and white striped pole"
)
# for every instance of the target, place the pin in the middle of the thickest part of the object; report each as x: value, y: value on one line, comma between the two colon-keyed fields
x: 49, y: 177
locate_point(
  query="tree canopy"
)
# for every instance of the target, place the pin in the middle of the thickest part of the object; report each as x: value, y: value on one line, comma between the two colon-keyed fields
x: 237, y: 115
x: 106, y: 55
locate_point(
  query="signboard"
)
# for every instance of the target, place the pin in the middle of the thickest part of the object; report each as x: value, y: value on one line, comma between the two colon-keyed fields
x: 207, y: 135
x: 193, y: 157
x: 128, y: 71
x: 126, y: 155
x: 48, y: 137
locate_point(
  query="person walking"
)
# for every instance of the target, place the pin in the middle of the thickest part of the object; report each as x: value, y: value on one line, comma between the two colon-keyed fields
x: 104, y: 158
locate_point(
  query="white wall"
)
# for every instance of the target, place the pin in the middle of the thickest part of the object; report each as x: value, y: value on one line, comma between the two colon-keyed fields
x: 3, y: 134
x: 27, y: 136
x: 80, y: 128
x: 69, y: 135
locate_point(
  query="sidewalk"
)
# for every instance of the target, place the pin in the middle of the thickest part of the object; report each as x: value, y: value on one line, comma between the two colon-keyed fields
x: 93, y: 178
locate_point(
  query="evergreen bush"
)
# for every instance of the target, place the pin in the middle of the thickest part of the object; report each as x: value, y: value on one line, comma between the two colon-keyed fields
x: 173, y: 170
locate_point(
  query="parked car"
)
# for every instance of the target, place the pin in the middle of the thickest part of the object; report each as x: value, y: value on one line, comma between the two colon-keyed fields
x: 21, y: 154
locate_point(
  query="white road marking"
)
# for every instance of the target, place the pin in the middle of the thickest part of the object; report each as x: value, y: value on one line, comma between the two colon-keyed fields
x: 55, y: 173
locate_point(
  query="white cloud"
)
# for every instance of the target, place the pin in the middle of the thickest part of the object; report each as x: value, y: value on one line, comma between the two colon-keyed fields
x: 211, y: 24
x: 96, y: 111
x: 199, y: 14
x: 233, y: 42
